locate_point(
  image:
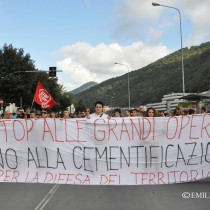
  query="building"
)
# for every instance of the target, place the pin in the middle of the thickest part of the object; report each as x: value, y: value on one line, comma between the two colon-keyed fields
x: 189, y: 101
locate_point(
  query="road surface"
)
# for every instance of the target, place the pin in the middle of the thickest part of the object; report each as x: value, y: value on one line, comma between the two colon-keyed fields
x: 78, y: 197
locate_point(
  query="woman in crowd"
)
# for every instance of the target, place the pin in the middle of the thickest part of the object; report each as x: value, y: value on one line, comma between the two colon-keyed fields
x: 66, y: 114
x: 127, y: 113
x: 117, y: 113
x: 53, y: 115
x: 151, y: 112
x: 134, y: 113
x: 87, y: 112
x: 177, y: 111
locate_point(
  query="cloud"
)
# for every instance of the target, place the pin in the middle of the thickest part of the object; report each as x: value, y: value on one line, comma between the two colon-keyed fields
x: 131, y: 20
x: 83, y: 62
x: 140, y: 28
x: 199, y: 16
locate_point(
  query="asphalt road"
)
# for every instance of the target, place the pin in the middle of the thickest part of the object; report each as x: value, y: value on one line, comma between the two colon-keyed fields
x: 77, y: 197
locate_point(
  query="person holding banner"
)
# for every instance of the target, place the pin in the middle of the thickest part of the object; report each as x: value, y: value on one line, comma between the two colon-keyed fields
x: 177, y: 111
x: 99, y: 111
x: 142, y: 113
x: 7, y: 115
x: 45, y: 113
x: 127, y: 113
x: 87, y: 112
x: 134, y: 113
x: 19, y: 113
x: 65, y: 114
x: 203, y: 110
x: 53, y: 115
x: 32, y: 114
x: 151, y: 112
x: 117, y: 113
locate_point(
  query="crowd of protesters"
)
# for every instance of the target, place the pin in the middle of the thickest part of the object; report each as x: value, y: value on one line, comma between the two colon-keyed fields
x: 152, y: 112
x: 98, y: 112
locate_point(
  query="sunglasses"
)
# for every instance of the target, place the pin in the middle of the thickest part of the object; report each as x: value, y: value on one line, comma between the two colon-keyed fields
x: 44, y: 112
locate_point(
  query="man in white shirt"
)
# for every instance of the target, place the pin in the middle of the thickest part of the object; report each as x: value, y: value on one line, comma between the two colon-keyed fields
x: 99, y: 111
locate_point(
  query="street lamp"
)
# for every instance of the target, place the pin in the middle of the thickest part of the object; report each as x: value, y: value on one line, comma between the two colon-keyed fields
x: 180, y: 24
x: 129, y: 100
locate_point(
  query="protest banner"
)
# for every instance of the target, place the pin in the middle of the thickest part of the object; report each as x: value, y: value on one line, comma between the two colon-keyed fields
x: 116, y: 151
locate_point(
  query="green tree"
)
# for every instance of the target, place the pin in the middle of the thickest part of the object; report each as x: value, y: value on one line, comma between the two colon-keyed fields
x: 19, y: 79
x: 16, y: 83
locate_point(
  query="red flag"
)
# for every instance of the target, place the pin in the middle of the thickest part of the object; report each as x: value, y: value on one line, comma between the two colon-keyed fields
x: 42, y: 97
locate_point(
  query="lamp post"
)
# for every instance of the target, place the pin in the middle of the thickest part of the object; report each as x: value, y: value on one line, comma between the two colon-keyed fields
x: 180, y: 24
x: 129, y: 100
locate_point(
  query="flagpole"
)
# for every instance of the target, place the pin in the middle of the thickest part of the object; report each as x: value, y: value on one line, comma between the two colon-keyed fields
x: 32, y: 104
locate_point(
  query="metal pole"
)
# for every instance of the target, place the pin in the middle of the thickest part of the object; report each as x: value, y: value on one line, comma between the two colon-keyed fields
x: 129, y: 100
x: 21, y: 101
x: 182, y: 58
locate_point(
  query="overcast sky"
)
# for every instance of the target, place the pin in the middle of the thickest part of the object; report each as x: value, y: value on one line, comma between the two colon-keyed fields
x: 84, y: 38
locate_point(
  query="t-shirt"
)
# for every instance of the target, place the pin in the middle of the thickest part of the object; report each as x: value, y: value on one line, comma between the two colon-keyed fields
x: 94, y: 115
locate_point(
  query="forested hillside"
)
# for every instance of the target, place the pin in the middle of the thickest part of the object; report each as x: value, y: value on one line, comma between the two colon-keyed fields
x: 84, y: 87
x: 149, y: 84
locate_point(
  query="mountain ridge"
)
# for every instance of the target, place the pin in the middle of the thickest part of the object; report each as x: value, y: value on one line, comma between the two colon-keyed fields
x: 150, y: 83
x: 84, y: 87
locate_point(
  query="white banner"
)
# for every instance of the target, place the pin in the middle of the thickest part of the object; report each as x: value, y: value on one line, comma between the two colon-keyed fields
x: 118, y: 151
